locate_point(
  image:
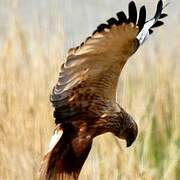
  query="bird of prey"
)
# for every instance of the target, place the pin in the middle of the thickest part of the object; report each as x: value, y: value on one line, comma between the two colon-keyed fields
x: 84, y: 98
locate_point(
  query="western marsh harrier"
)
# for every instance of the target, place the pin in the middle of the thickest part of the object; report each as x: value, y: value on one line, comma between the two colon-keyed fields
x: 84, y: 97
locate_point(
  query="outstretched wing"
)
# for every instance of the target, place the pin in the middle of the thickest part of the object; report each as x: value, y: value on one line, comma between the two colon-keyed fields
x: 92, y: 70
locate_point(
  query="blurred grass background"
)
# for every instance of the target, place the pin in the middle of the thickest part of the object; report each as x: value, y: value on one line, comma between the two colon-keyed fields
x: 34, y: 37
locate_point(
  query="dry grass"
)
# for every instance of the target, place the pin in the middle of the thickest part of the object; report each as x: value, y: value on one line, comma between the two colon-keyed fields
x: 149, y: 90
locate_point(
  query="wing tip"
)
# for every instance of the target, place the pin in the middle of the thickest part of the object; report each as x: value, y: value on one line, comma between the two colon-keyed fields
x: 159, y: 15
x: 147, y: 27
x: 142, y: 17
x: 122, y: 18
x: 158, y: 9
x: 132, y: 12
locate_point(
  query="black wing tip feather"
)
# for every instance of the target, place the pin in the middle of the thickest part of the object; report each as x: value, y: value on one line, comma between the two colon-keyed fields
x: 112, y: 21
x: 101, y: 27
x: 132, y: 10
x: 122, y: 18
x: 142, y: 17
x: 150, y: 31
x: 158, y: 15
x: 159, y: 10
x: 157, y: 24
x: 163, y: 15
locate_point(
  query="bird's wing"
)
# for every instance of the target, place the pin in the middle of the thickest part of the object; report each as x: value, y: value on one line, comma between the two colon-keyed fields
x: 93, y: 68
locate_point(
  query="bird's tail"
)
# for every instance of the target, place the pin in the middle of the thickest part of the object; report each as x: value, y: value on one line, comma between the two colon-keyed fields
x: 61, y: 162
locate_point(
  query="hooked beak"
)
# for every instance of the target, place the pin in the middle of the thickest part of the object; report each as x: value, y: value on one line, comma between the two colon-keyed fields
x: 129, y: 142
x: 131, y: 133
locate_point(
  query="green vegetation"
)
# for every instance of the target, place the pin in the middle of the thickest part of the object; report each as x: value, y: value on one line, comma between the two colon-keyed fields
x: 149, y: 90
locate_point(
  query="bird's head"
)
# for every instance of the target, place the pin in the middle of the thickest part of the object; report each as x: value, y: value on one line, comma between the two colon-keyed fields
x: 127, y: 128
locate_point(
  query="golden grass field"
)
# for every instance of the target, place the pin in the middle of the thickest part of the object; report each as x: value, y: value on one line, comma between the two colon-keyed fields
x: 149, y: 90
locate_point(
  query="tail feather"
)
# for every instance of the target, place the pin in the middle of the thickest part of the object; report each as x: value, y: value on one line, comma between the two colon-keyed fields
x: 62, y: 161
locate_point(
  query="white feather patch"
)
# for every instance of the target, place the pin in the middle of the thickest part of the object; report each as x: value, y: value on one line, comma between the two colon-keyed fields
x: 55, y: 138
x: 144, y: 33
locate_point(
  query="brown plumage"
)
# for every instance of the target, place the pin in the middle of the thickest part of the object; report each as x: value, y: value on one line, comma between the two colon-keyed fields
x: 85, y: 96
